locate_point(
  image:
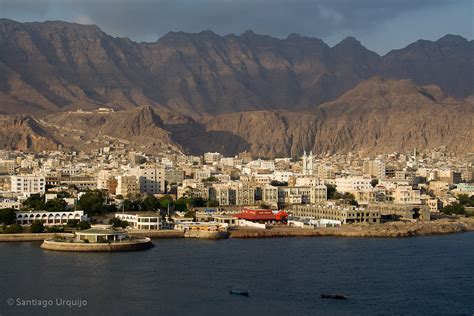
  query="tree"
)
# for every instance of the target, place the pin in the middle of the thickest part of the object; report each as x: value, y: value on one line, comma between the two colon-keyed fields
x: 454, y: 208
x: 117, y: 222
x: 72, y: 223
x: 92, y: 202
x: 13, y: 229
x: 83, y: 225
x: 7, y: 216
x: 63, y: 195
x: 34, y: 201
x: 165, y: 201
x: 37, y: 227
x: 331, y: 189
x: 374, y: 182
x: 466, y: 200
x: 151, y: 203
x: 198, y: 202
x: 131, y: 206
x: 55, y: 205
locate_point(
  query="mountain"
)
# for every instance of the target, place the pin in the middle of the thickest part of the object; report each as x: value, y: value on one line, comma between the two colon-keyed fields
x: 22, y: 132
x: 46, y: 67
x: 378, y: 115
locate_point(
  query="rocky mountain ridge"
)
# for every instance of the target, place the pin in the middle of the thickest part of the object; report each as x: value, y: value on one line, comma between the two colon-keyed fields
x: 46, y: 67
x: 378, y: 115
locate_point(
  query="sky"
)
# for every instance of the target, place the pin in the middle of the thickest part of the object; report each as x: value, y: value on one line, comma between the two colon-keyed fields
x: 381, y: 25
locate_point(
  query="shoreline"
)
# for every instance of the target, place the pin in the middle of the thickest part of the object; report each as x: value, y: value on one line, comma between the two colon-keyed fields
x: 387, y: 230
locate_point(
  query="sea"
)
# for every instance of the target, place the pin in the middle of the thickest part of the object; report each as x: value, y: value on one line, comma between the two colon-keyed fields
x: 285, y: 276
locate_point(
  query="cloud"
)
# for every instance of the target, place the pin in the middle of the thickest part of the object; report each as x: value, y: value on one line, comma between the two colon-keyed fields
x: 83, y: 19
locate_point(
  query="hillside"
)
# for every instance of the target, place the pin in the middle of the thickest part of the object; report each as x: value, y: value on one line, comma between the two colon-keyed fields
x: 46, y: 67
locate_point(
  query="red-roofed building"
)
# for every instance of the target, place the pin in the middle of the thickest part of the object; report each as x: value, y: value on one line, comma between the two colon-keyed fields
x: 261, y: 216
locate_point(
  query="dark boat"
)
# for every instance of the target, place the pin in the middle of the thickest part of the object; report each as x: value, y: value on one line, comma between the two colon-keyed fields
x: 334, y: 296
x: 242, y: 293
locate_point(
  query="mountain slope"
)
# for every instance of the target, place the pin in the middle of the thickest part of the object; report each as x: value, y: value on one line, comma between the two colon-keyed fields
x: 378, y: 115
x: 55, y: 66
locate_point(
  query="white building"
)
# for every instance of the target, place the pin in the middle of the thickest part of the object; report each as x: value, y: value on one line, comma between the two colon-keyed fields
x: 151, y: 179
x: 143, y: 220
x: 50, y: 218
x: 28, y: 184
x: 353, y: 184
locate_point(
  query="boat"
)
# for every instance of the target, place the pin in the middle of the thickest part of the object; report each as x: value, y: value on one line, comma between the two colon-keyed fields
x: 334, y: 296
x: 242, y: 293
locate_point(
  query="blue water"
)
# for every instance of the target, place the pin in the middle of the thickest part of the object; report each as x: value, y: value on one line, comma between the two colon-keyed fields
x: 412, y: 276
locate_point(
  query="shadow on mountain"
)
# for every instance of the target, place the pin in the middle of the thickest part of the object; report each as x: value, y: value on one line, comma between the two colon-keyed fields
x: 195, y: 139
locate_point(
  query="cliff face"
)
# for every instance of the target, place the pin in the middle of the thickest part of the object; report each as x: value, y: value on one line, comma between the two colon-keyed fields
x: 378, y: 115
x: 52, y: 66
x: 22, y: 132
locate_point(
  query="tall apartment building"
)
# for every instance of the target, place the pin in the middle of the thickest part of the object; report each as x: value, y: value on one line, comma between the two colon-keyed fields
x: 374, y: 168
x: 127, y: 186
x: 151, y: 178
x: 28, y: 184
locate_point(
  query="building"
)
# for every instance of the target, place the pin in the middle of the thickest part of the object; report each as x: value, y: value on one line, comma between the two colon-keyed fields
x: 374, y: 168
x: 346, y: 214
x: 261, y: 216
x: 9, y: 203
x: 142, y: 220
x: 28, y: 184
x: 151, y: 179
x: 127, y: 186
x: 405, y: 194
x: 396, y: 211
x: 353, y: 184
x: 49, y: 218
x: 210, y: 158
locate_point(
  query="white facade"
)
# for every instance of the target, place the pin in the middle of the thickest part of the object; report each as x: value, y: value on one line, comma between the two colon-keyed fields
x: 49, y: 218
x: 146, y: 221
x: 353, y: 184
x: 151, y: 179
x: 28, y: 184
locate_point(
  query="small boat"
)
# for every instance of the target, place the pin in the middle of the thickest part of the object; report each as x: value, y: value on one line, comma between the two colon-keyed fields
x: 242, y: 293
x: 334, y: 296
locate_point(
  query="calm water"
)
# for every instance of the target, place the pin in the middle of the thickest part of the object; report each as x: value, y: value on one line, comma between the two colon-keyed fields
x: 423, y: 275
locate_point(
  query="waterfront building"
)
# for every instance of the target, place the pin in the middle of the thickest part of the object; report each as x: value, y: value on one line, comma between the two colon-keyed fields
x: 345, y: 214
x: 391, y: 211
x: 142, y: 220
x: 262, y: 216
x: 100, y: 233
x: 49, y: 218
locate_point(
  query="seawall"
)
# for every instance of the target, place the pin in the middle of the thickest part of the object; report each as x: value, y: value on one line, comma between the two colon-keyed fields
x: 387, y: 230
x: 31, y: 236
x: 97, y: 247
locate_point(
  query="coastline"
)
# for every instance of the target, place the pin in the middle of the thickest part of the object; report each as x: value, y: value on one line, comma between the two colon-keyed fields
x: 387, y: 230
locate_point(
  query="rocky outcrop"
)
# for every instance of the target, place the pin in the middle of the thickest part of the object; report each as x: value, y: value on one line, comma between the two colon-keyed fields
x: 22, y: 132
